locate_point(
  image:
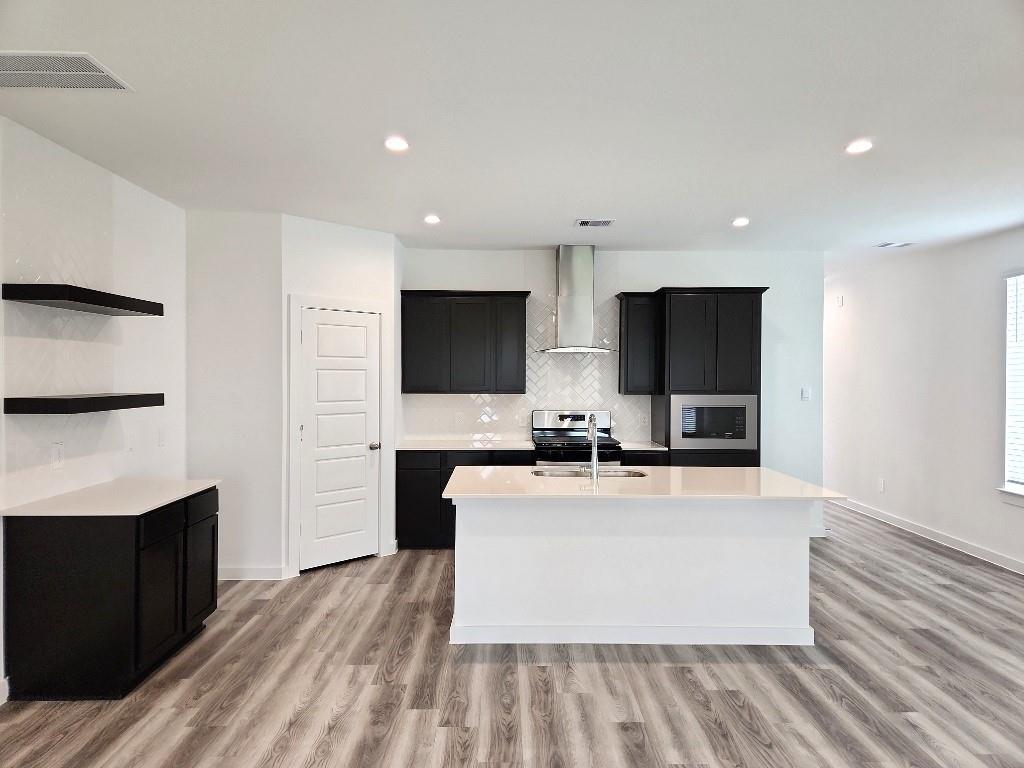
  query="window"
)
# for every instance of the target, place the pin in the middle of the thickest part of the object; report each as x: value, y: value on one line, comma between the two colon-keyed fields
x: 1015, y: 381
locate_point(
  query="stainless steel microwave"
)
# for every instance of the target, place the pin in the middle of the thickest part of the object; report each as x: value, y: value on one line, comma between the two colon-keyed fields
x: 713, y: 422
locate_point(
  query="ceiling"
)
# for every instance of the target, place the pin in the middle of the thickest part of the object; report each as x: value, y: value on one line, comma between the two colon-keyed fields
x: 672, y: 116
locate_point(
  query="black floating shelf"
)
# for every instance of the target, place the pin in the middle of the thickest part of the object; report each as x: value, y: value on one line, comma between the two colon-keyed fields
x: 63, y: 404
x: 75, y: 297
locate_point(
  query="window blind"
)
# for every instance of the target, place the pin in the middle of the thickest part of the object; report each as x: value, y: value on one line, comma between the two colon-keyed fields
x: 1015, y: 379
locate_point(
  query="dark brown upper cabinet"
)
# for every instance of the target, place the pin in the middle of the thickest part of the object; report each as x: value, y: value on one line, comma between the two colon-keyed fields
x: 738, y: 348
x: 692, y: 324
x: 469, y: 342
x: 639, y: 353
x: 426, y: 344
x: 472, y: 344
x: 690, y: 340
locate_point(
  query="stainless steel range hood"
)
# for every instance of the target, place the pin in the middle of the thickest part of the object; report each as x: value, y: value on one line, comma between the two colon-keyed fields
x: 574, y: 308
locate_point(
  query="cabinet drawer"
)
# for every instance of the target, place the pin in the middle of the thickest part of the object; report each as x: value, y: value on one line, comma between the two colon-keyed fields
x: 455, y: 459
x: 512, y: 458
x: 714, y: 458
x: 201, y: 506
x: 161, y: 523
x: 645, y: 458
x: 418, y: 460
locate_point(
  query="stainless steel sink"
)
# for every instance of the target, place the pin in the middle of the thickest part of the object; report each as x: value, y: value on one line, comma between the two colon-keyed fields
x: 621, y: 473
x: 584, y: 472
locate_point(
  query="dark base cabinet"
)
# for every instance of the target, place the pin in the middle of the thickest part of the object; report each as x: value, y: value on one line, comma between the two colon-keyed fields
x: 93, y: 604
x: 645, y: 458
x: 423, y: 519
x: 715, y: 458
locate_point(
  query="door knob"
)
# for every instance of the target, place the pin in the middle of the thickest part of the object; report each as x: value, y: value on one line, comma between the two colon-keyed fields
x: 374, y: 446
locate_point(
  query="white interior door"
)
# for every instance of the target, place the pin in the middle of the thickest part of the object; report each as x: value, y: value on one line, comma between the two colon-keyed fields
x: 340, y: 428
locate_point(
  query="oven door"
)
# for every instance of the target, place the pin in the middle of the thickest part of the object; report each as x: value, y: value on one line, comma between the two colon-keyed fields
x: 713, y: 422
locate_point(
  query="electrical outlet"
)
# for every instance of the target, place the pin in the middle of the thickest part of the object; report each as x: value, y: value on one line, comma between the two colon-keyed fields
x: 881, y: 485
x: 645, y: 419
x: 57, y: 456
x: 839, y: 300
x: 161, y: 439
x: 805, y: 393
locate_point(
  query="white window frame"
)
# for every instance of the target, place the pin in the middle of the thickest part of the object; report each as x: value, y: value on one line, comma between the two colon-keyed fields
x: 1015, y: 487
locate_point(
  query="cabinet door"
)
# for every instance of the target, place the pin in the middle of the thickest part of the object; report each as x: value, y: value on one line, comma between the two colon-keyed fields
x: 739, y: 334
x: 418, y: 508
x: 160, y: 599
x: 472, y: 349
x: 200, y: 572
x: 638, y: 346
x: 691, y: 342
x: 509, y: 345
x: 426, y: 352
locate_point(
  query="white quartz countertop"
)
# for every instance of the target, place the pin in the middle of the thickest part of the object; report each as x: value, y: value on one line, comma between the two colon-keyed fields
x: 661, y: 482
x: 126, y: 496
x: 467, y: 444
x: 479, y: 444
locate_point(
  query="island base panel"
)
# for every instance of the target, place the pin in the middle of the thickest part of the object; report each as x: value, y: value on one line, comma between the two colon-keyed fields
x: 676, y: 571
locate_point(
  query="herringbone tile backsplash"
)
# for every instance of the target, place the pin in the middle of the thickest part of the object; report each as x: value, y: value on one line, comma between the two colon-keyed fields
x: 553, y: 380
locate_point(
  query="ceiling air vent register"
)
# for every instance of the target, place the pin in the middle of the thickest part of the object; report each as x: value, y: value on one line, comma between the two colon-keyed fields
x: 594, y: 222
x: 56, y: 70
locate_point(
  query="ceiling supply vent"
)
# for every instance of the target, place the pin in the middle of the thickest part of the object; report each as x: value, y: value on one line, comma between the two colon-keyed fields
x: 594, y: 222
x: 893, y: 245
x: 56, y: 70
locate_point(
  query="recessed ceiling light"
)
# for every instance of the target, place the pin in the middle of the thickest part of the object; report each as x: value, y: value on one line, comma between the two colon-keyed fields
x: 740, y: 221
x: 431, y: 218
x: 396, y: 143
x: 859, y: 146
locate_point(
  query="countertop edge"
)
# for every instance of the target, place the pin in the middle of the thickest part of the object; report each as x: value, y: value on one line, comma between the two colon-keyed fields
x: 53, y: 506
x: 633, y: 497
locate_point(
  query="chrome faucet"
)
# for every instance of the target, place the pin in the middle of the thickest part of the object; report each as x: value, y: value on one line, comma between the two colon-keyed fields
x: 592, y: 437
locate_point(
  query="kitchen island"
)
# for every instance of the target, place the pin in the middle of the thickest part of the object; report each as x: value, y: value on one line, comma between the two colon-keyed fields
x: 681, y: 555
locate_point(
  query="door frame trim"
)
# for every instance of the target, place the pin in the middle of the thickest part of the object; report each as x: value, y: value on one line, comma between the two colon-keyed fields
x: 386, y: 545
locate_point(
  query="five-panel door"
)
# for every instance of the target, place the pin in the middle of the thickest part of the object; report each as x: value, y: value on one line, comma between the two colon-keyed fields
x: 340, y: 436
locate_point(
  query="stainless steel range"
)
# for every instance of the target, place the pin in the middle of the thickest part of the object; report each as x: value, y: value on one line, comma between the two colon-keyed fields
x: 560, y: 437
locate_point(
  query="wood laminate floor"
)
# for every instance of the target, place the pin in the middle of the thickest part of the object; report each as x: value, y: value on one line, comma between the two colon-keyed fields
x: 919, y: 662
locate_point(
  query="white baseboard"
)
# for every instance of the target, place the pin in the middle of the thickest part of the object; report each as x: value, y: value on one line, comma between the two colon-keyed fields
x: 5, y: 690
x: 819, y: 531
x: 229, y: 573
x: 631, y: 635
x: 982, y: 553
x: 392, y: 550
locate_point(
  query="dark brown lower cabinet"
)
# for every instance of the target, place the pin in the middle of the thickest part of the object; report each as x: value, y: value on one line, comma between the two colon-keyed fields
x: 93, y: 604
x: 161, y: 597
x: 200, y: 572
x: 422, y: 518
x: 645, y: 458
x: 715, y: 459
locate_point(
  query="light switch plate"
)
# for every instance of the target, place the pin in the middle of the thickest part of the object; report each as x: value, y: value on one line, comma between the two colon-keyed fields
x: 57, y: 456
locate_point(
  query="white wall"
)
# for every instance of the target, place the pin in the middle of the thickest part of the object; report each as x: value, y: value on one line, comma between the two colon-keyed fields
x: 914, y: 387
x: 67, y: 220
x: 243, y: 269
x: 792, y: 343
x: 356, y: 269
x: 235, y: 382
